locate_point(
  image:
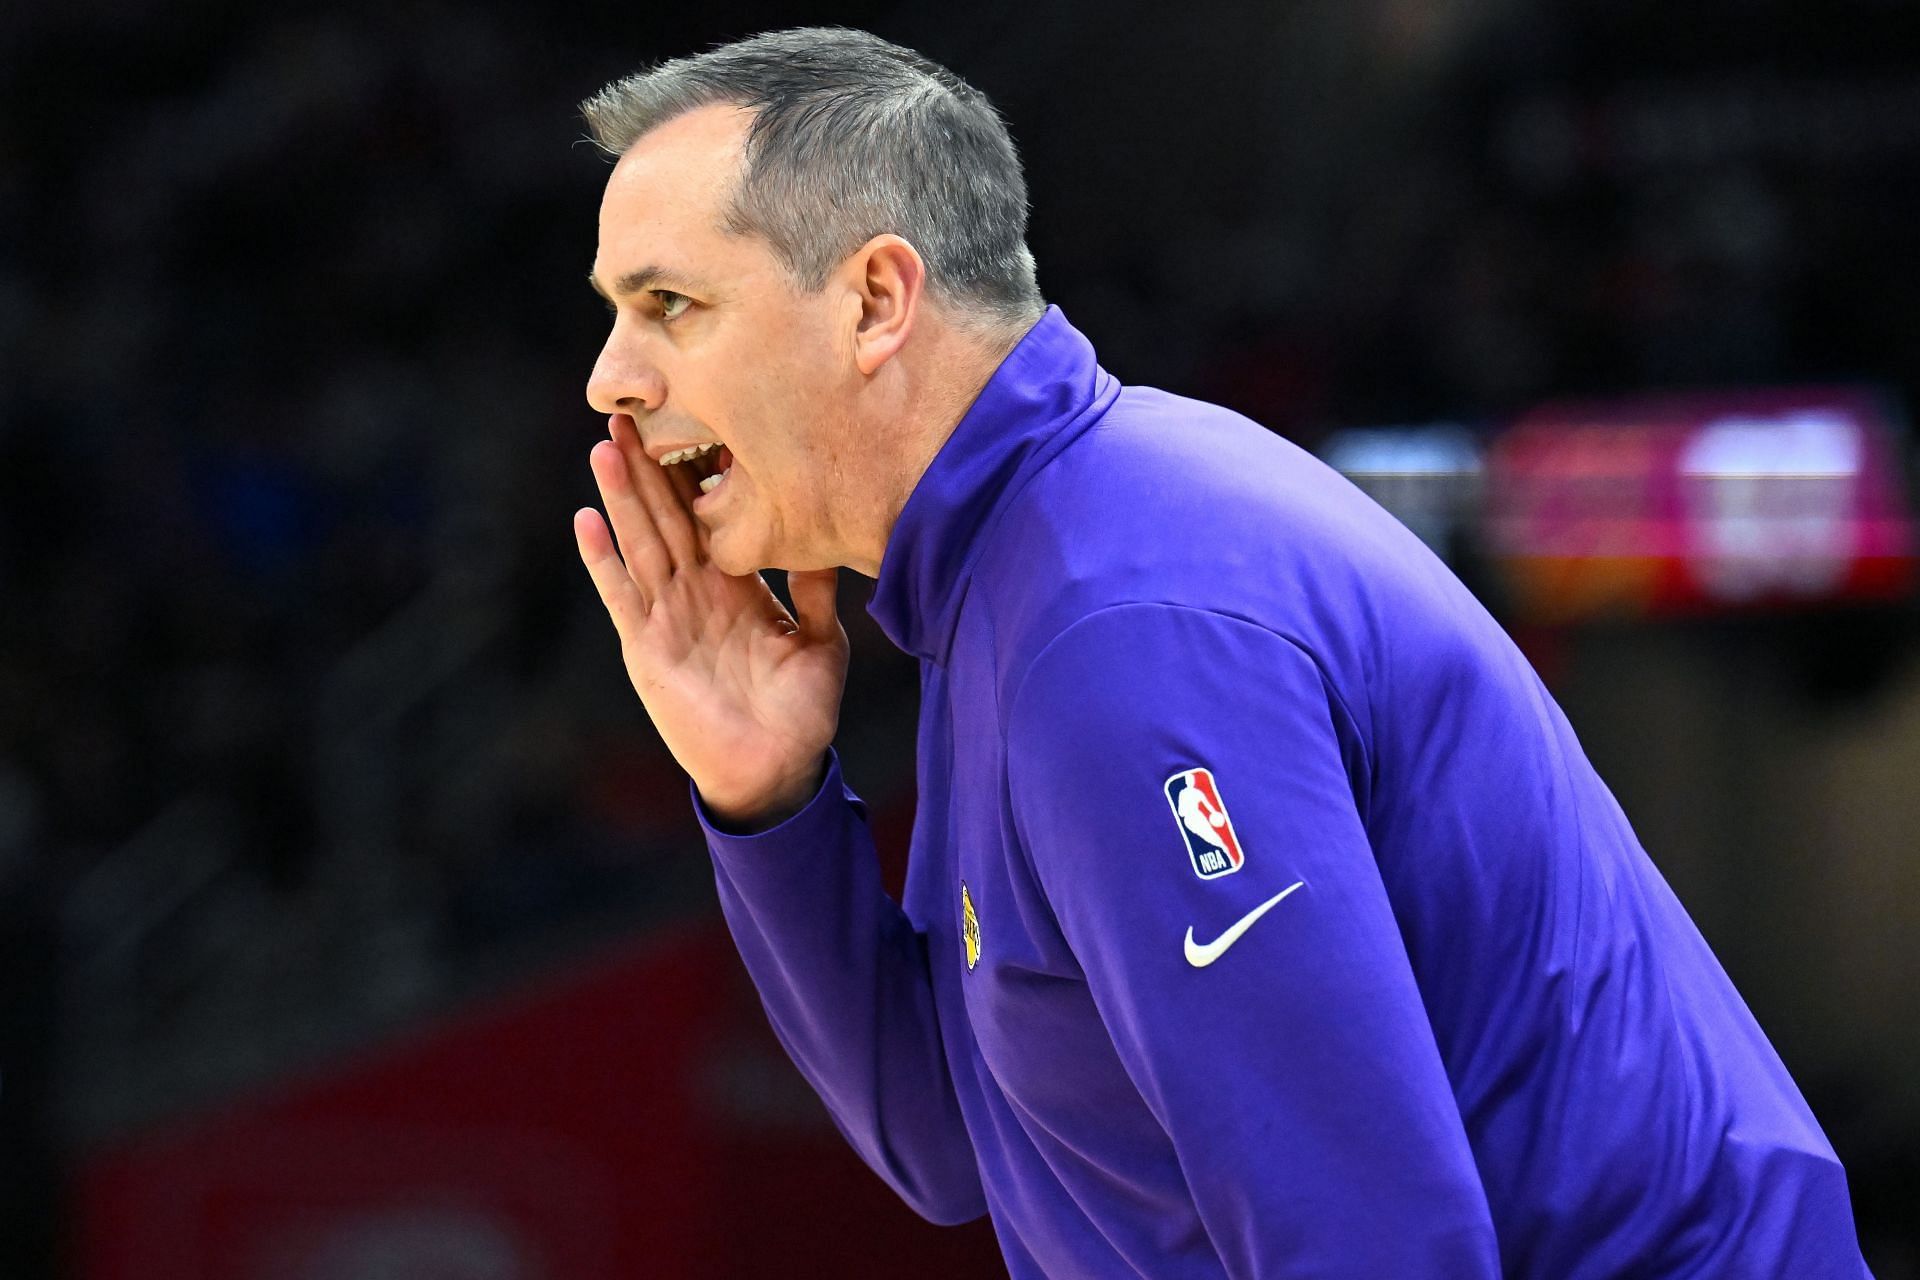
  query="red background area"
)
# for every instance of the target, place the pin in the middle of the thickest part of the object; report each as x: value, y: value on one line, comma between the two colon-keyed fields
x: 636, y: 1119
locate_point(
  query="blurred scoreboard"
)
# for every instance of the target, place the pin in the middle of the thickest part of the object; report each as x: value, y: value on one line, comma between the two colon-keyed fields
x: 1659, y: 506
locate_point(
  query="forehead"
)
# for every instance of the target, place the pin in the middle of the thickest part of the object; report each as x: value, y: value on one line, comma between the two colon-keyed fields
x: 667, y: 194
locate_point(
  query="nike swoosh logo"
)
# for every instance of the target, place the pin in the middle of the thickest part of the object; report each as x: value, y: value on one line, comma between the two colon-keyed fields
x: 1200, y: 956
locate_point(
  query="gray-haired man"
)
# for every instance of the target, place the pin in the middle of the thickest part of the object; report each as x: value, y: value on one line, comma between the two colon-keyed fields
x: 1263, y: 916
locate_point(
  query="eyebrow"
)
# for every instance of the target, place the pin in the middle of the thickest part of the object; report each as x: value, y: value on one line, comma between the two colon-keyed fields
x: 645, y: 278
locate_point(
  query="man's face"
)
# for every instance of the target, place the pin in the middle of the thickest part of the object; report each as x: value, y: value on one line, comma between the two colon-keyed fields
x: 711, y: 342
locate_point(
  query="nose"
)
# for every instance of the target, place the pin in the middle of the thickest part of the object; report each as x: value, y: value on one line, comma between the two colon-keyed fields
x: 624, y: 378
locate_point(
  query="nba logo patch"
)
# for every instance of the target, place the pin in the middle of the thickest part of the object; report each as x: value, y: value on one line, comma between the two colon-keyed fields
x: 1201, y: 815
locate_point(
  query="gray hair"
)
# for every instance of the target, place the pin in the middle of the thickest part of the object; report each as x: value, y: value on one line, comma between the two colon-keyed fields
x: 853, y: 137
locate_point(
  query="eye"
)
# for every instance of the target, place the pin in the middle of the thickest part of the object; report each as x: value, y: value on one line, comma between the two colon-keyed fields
x: 671, y: 304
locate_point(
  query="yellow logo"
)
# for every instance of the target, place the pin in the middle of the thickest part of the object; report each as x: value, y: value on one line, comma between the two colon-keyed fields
x: 969, y: 926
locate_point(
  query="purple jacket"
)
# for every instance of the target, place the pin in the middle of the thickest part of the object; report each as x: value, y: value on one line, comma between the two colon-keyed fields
x: 1263, y: 915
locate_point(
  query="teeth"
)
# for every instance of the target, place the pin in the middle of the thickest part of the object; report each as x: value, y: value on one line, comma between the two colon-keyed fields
x: 707, y: 485
x: 689, y: 453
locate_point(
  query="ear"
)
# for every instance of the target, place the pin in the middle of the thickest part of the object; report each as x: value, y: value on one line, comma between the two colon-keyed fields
x: 889, y: 279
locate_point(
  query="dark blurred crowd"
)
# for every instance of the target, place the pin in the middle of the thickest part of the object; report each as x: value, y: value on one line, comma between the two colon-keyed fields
x: 264, y: 279
x: 309, y: 719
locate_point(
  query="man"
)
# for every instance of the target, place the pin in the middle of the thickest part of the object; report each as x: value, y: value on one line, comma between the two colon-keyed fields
x: 1263, y: 916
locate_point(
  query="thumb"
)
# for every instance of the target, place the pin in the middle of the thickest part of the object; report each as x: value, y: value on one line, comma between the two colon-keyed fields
x: 815, y: 593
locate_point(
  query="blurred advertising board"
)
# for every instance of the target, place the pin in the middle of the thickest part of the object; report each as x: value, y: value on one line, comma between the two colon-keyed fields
x: 634, y: 1117
x: 1689, y: 504
x: 1428, y: 476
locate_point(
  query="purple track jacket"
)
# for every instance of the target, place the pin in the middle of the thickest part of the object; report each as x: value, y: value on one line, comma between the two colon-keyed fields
x: 1263, y: 915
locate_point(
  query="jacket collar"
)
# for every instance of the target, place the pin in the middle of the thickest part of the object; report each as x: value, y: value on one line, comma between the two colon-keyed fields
x: 1047, y: 391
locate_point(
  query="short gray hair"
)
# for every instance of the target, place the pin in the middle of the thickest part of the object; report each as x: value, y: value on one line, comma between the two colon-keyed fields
x: 853, y: 137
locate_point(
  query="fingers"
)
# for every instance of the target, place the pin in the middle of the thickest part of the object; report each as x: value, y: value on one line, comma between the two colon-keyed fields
x: 648, y: 562
x: 665, y: 498
x: 618, y: 592
x: 687, y: 488
x: 815, y: 593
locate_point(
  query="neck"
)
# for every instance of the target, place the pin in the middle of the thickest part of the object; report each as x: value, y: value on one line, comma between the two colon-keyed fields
x: 935, y: 386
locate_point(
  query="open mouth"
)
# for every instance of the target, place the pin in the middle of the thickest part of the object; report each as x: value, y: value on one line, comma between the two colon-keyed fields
x: 707, y: 463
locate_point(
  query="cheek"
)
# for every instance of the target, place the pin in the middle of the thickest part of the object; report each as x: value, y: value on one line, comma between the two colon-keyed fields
x: 783, y: 400
x: 782, y: 410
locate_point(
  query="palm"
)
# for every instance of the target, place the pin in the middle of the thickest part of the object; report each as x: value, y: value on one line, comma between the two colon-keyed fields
x: 741, y: 696
x: 745, y: 694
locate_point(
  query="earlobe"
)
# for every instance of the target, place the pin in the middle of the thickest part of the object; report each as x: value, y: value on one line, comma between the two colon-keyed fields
x: 892, y: 279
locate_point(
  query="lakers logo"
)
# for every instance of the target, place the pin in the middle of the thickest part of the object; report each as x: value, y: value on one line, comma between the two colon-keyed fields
x: 969, y: 926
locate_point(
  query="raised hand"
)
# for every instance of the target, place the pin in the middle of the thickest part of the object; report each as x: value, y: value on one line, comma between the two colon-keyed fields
x: 746, y: 695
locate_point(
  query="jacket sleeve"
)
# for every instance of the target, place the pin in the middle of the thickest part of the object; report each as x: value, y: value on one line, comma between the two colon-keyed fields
x: 844, y: 978
x: 1275, y: 1032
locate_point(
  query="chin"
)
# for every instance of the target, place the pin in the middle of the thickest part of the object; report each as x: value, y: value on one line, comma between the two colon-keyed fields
x: 739, y: 551
x: 735, y: 559
x: 735, y: 566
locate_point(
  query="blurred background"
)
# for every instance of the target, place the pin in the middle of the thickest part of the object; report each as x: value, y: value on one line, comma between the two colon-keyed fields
x: 353, y: 922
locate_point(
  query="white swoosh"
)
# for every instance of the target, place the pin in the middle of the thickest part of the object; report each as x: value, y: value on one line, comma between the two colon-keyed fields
x: 1201, y: 956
